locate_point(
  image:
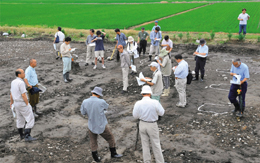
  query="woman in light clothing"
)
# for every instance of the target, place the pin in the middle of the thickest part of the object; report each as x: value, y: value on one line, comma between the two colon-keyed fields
x: 132, y: 48
x: 66, y: 58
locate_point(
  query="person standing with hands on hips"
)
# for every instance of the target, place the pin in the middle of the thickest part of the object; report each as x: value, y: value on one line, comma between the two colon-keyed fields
x: 243, y: 17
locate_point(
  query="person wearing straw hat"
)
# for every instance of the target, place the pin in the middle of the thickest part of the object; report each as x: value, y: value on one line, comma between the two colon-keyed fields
x: 31, y: 80
x: 23, y: 109
x: 147, y: 111
x: 156, y: 83
x: 132, y: 48
x: 155, y: 37
x: 201, y: 54
x: 166, y: 66
x: 94, y: 108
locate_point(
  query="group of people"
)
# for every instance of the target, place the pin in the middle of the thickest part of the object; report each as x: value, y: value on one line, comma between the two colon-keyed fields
x: 147, y: 110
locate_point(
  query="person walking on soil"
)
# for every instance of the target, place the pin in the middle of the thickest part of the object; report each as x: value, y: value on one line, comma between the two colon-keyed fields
x: 142, y: 38
x: 31, y: 81
x: 94, y: 108
x: 200, y: 56
x: 99, y: 49
x: 66, y: 58
x: 156, y: 25
x: 166, y: 66
x: 132, y: 49
x: 167, y: 42
x: 238, y: 68
x: 125, y: 65
x: 147, y: 111
x: 120, y: 40
x: 181, y: 72
x: 155, y: 37
x: 156, y: 83
x: 243, y: 18
x: 90, y: 58
x: 18, y: 98
x: 59, y: 41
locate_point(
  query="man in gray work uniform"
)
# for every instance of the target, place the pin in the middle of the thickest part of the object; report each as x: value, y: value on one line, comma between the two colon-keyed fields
x: 90, y: 58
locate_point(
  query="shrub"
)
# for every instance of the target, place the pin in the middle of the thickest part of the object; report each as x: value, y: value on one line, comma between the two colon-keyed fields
x: 229, y: 35
x: 188, y: 36
x: 63, y: 31
x: 258, y: 39
x: 180, y: 35
x: 102, y: 30
x: 241, y: 37
x: 14, y: 31
x: 174, y: 37
x: 81, y: 34
x: 199, y: 37
x: 9, y: 32
x: 212, y: 35
x: 107, y: 36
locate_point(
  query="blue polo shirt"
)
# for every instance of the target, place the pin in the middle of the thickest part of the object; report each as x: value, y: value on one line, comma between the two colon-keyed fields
x: 242, y: 70
x: 31, y: 76
x: 203, y: 49
x: 121, y: 39
x: 154, y: 35
x: 182, y: 70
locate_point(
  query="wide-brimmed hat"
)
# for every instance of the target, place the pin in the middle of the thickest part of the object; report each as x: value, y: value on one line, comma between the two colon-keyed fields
x: 202, y: 41
x: 163, y: 52
x: 130, y: 39
x: 146, y: 90
x: 98, y: 91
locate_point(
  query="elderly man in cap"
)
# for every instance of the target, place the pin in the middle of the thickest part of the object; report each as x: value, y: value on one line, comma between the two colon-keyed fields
x: 95, y: 108
x: 147, y: 111
x: 200, y: 55
x: 142, y: 37
x: 23, y: 109
x: 156, y: 83
x: 31, y: 81
x: 132, y: 49
x: 155, y: 37
x: 166, y: 66
x: 238, y: 68
x: 90, y: 48
x: 66, y: 58
x: 125, y: 65
x: 155, y: 25
x: 181, y: 72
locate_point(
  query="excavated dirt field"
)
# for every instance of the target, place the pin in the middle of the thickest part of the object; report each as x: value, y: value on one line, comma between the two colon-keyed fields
x: 205, y: 131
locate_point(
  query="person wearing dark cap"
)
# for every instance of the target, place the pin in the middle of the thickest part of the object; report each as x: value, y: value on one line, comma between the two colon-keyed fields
x: 243, y: 17
x: 142, y: 37
x: 94, y: 108
x: 156, y: 25
x: 241, y: 69
x: 200, y: 56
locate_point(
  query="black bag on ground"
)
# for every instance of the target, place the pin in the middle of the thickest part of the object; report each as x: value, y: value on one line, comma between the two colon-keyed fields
x: 189, y: 77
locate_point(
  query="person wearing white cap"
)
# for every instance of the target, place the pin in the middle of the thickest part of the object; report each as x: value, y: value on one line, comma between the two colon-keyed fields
x: 156, y: 83
x: 132, y: 48
x: 94, y: 108
x: 147, y: 111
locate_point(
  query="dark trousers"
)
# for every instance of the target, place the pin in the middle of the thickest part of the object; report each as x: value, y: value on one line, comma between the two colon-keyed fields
x: 143, y: 44
x: 118, y: 55
x: 242, y: 27
x: 233, y: 93
x: 200, y: 65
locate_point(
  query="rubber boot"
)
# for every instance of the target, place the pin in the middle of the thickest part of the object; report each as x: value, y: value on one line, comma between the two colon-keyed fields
x: 65, y: 78
x: 37, y: 112
x: 27, y: 133
x: 114, y: 154
x: 166, y: 93
x: 96, y: 157
x: 202, y: 78
x: 196, y: 78
x: 20, y: 130
x: 68, y: 77
x: 237, y: 107
x: 35, y: 115
x: 150, y: 58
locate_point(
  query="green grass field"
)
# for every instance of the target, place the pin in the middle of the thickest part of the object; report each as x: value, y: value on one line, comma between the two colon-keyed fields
x: 220, y: 17
x: 87, y: 16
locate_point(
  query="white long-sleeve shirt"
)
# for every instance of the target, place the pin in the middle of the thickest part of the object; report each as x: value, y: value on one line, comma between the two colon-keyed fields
x: 148, y: 109
x: 65, y: 50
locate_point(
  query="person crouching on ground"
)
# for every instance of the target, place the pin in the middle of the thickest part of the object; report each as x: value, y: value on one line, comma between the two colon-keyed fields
x: 66, y: 58
x: 94, y: 108
x: 147, y: 111
x: 156, y: 83
x: 99, y: 49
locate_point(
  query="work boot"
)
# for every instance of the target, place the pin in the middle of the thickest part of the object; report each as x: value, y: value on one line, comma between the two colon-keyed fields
x: 202, y: 78
x: 240, y: 114
x: 28, y: 137
x: 65, y: 79
x: 196, y: 78
x: 35, y: 115
x: 86, y: 64
x: 93, y: 63
x: 150, y: 58
x: 96, y: 157
x: 237, y: 107
x: 166, y: 92
x: 68, y: 77
x: 114, y: 154
x: 37, y: 112
x: 20, y: 130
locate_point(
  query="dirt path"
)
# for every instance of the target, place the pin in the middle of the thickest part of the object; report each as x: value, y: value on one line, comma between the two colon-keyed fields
x: 169, y: 16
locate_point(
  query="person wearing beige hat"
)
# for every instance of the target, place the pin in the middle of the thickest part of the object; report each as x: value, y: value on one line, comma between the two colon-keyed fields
x: 147, y: 111
x: 156, y: 83
x: 132, y: 48
x: 166, y: 70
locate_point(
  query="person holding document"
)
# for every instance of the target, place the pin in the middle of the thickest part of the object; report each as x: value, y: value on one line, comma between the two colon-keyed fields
x: 155, y: 37
x: 65, y: 50
x: 90, y: 48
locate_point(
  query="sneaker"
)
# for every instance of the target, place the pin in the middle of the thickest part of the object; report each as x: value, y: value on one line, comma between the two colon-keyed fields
x: 103, y: 66
x: 95, y: 67
x: 240, y: 114
x: 86, y: 64
x: 93, y: 63
x: 29, y: 138
x: 201, y: 80
x: 35, y: 115
x: 123, y: 92
x: 180, y: 106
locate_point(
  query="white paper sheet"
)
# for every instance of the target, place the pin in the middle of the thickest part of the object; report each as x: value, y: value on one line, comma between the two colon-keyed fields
x: 92, y: 44
x: 136, y: 55
x: 54, y: 46
x: 99, y: 38
x: 73, y: 49
x: 237, y: 81
x: 13, y: 110
x: 141, y: 76
x: 133, y: 68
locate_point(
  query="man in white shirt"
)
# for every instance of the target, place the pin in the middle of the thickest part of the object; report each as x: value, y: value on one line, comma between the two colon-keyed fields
x: 58, y: 42
x: 90, y: 48
x: 147, y: 111
x: 243, y: 17
x: 132, y: 49
x: 167, y: 42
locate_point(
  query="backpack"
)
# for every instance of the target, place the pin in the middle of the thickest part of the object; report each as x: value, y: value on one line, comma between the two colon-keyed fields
x: 57, y: 39
x: 189, y: 77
